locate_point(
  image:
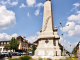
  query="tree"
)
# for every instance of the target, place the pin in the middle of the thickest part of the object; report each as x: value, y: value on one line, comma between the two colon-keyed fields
x: 33, y: 49
x: 61, y: 49
x: 7, y: 47
x: 74, y: 50
x: 14, y: 43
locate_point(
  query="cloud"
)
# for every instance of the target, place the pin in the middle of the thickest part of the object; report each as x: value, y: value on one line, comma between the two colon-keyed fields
x: 38, y: 33
x: 14, y: 3
x: 7, y: 18
x: 22, y: 5
x: 75, y: 17
x: 74, y: 24
x: 62, y: 41
x: 76, y: 4
x: 39, y: 5
x: 6, y: 37
x: 32, y: 39
x: 28, y: 14
x: 67, y: 45
x: 36, y: 12
x: 30, y: 3
x: 8, y: 2
x: 70, y: 27
x: 75, y: 32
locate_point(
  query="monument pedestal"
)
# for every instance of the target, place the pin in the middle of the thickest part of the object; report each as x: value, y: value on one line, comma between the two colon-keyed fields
x: 48, y: 49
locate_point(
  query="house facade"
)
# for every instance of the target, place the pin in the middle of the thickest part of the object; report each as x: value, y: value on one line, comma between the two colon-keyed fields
x: 23, y: 44
x: 78, y: 49
x: 2, y: 44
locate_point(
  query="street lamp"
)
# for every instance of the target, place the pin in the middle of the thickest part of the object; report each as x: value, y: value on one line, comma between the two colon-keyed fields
x: 62, y: 35
x: 63, y: 44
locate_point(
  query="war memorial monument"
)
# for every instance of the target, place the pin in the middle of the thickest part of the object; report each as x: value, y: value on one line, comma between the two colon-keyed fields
x: 48, y: 39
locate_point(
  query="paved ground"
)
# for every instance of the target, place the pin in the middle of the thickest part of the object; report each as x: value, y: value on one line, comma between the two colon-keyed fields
x: 6, y: 58
x: 15, y: 56
x: 78, y: 57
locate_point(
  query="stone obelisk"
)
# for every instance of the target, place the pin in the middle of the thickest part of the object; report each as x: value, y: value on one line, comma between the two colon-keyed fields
x: 48, y: 37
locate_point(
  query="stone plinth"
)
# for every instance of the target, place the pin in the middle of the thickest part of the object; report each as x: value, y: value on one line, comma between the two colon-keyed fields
x: 48, y: 49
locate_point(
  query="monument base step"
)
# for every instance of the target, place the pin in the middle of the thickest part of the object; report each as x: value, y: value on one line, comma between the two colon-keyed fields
x: 53, y: 58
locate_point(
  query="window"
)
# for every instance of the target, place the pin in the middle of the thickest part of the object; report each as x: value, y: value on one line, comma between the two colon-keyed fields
x: 1, y: 42
x: 7, y: 42
x: 4, y: 42
x: 0, y: 49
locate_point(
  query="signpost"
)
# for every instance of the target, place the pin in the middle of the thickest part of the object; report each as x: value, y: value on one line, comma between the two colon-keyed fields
x: 30, y: 52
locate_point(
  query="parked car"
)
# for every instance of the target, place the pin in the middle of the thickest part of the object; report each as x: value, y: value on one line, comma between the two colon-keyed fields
x: 27, y: 53
x: 5, y: 53
x: 16, y: 54
x: 2, y: 56
x: 23, y: 53
x: 10, y: 54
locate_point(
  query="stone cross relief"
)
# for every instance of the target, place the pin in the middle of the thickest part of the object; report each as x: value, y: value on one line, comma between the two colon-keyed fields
x: 45, y: 26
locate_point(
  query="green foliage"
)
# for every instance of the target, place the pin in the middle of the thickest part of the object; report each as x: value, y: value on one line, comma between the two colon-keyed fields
x: 33, y: 49
x: 15, y: 59
x: 67, y: 52
x: 45, y: 59
x: 74, y: 50
x: 14, y: 43
x: 7, y: 47
x: 69, y: 58
x: 26, y: 57
x: 61, y: 49
x: 32, y: 59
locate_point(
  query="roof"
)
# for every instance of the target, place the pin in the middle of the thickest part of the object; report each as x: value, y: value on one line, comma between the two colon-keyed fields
x: 27, y: 41
x: 19, y: 37
x: 4, y: 41
x: 78, y: 44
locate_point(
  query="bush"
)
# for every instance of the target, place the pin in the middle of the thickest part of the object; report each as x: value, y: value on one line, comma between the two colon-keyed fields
x: 25, y: 57
x: 69, y: 58
x: 45, y: 59
x: 32, y: 59
x: 15, y: 59
x: 56, y: 59
x: 22, y: 58
x: 40, y: 58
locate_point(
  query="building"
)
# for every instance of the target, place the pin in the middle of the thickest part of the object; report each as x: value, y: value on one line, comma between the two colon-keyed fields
x: 22, y: 46
x: 78, y: 48
x: 23, y: 43
x: 2, y: 44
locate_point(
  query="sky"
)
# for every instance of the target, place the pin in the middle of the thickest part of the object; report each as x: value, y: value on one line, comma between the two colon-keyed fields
x: 25, y: 18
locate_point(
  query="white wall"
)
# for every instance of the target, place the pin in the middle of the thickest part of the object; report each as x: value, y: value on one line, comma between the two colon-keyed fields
x: 1, y: 47
x: 79, y: 48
